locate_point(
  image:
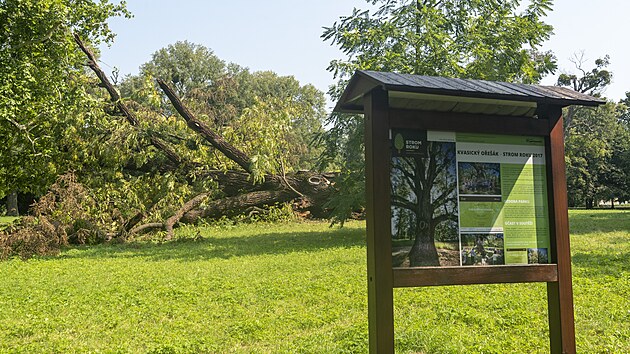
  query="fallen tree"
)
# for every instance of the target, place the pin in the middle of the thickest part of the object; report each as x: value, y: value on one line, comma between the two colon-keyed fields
x: 240, y: 189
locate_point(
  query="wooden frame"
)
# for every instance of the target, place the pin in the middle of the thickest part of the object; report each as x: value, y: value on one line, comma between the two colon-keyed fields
x: 433, y: 276
x: 382, y: 278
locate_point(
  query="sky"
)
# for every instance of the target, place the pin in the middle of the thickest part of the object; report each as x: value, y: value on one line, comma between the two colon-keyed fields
x: 285, y: 35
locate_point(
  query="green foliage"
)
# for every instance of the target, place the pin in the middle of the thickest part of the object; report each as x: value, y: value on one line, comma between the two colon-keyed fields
x: 597, y: 141
x: 597, y: 146
x: 287, y: 288
x: 475, y: 39
x: 188, y: 66
x: 46, y: 112
x: 492, y: 40
x: 6, y: 221
x: 278, y: 213
x: 592, y: 81
x: 344, y: 151
x: 270, y: 124
x: 272, y: 118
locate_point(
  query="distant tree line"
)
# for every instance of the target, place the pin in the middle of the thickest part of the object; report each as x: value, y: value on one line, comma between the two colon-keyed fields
x: 597, y: 141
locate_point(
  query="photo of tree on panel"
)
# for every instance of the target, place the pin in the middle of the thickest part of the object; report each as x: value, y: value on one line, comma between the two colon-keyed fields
x: 424, y: 201
x: 482, y: 249
x: 478, y: 178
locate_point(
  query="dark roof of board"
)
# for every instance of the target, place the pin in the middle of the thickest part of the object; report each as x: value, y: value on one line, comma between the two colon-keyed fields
x: 412, y: 89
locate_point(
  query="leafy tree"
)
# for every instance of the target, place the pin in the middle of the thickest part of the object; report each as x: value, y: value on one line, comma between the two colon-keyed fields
x: 269, y: 119
x: 46, y: 113
x: 480, y: 39
x: 616, y: 182
x: 596, y: 139
x: 242, y: 106
x: 475, y: 39
x: 625, y: 115
x: 592, y: 82
x: 595, y: 149
x: 188, y: 66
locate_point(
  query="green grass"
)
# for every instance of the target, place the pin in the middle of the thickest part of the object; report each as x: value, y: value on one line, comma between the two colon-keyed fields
x: 295, y: 288
x: 5, y: 220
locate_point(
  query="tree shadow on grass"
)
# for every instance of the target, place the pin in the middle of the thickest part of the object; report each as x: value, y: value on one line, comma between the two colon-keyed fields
x: 597, y: 264
x: 226, y: 247
x: 599, y: 221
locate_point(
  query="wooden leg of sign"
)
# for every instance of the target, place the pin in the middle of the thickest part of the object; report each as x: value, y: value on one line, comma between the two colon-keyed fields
x: 560, y: 293
x: 378, y: 223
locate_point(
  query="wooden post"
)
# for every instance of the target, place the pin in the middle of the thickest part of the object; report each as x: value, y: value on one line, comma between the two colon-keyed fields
x: 560, y: 293
x: 378, y: 223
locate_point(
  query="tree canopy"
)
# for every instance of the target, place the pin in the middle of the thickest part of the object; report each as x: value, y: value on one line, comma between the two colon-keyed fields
x: 469, y: 39
x: 272, y: 118
x: 596, y: 140
x: 493, y: 40
x: 45, y: 107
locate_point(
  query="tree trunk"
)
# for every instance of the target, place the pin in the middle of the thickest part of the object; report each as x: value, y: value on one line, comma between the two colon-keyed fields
x: 204, y: 130
x: 423, y: 251
x: 314, y: 191
x: 12, y: 204
x: 188, y: 206
x: 589, y: 203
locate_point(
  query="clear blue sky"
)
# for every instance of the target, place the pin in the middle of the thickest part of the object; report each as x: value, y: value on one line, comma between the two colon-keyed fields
x: 284, y: 35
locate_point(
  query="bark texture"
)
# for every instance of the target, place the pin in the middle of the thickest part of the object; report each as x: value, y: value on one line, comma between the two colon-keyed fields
x: 12, y: 204
x: 206, y: 132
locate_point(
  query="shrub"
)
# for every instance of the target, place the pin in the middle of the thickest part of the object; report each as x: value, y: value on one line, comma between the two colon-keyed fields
x: 66, y: 214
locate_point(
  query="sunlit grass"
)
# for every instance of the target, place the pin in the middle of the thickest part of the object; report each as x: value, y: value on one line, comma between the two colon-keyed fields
x: 294, y: 288
x: 7, y: 219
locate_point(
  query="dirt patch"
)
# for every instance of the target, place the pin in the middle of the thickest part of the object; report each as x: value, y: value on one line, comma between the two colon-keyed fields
x: 448, y: 258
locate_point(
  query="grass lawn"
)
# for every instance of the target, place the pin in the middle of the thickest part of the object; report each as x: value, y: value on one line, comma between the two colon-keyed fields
x: 295, y: 288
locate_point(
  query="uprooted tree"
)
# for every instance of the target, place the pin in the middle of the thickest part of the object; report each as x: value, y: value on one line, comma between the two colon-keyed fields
x: 189, y: 138
x: 235, y: 181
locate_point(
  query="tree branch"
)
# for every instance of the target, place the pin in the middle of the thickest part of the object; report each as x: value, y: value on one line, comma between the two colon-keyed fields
x: 145, y: 227
x: 188, y: 206
x: 122, y: 107
x: 442, y: 199
x: 408, y: 175
x: 444, y: 217
x: 402, y: 203
x: 200, y: 127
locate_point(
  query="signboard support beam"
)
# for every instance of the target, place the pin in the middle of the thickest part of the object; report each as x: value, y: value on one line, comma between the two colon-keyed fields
x: 560, y: 293
x: 379, y: 255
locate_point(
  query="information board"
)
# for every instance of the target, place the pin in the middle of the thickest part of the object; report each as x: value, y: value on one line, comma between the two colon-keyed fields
x: 463, y: 199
